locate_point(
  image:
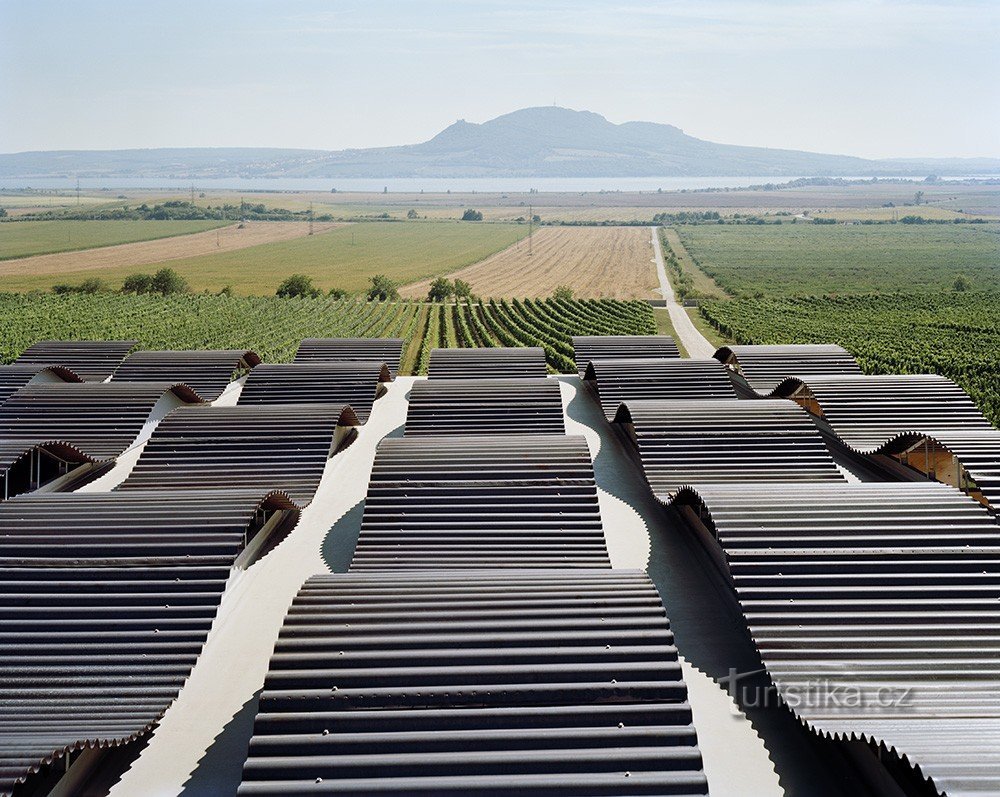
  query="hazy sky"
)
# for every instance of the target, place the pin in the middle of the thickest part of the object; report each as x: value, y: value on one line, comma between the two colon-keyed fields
x: 859, y: 77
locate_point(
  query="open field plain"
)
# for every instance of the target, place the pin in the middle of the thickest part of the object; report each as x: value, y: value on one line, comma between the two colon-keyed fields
x: 40, y: 269
x: 609, y: 262
x: 23, y: 239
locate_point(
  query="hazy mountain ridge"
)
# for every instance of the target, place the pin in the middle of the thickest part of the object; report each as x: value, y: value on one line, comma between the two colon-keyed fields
x: 533, y: 142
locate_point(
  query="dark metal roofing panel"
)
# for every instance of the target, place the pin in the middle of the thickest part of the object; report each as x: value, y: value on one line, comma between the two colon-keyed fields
x: 459, y: 502
x: 561, y: 682
x: 93, y: 360
x: 765, y: 367
x: 705, y: 442
x: 509, y: 363
x: 101, y: 419
x: 621, y: 347
x: 485, y: 406
x: 867, y: 411
x: 207, y: 372
x: 887, y: 593
x: 383, y: 350
x: 105, y: 603
x: 267, y: 447
x: 357, y: 383
x: 14, y: 377
x: 641, y: 379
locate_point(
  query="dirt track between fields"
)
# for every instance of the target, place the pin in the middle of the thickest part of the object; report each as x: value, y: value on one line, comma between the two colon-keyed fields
x: 142, y: 253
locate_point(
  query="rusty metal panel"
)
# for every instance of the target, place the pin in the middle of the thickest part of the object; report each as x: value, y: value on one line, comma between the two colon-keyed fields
x: 101, y: 419
x: 382, y: 350
x: 621, y: 347
x: 496, y: 363
x: 485, y: 406
x: 453, y: 502
x: 92, y: 360
x: 105, y: 602
x: 706, y: 442
x: 207, y: 372
x: 762, y: 368
x: 268, y: 447
x: 876, y: 610
x: 357, y: 383
x: 560, y: 682
x: 14, y: 377
x: 642, y: 379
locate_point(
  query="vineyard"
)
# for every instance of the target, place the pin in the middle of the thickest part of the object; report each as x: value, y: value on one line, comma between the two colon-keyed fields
x: 273, y: 327
x: 955, y: 334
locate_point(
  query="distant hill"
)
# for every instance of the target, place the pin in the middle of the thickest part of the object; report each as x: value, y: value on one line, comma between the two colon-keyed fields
x: 533, y: 142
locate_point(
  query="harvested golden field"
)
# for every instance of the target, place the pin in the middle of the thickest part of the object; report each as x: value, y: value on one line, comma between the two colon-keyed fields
x: 32, y: 271
x: 596, y: 262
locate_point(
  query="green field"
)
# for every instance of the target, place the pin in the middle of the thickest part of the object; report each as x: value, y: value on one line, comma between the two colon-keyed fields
x: 345, y: 257
x: 955, y: 334
x: 24, y: 238
x: 810, y: 259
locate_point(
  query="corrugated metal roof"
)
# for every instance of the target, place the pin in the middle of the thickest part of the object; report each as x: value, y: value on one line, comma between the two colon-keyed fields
x: 866, y: 411
x: 383, y: 350
x: 269, y: 447
x: 93, y: 360
x: 14, y: 377
x: 876, y: 610
x: 763, y: 368
x: 642, y: 379
x: 770, y: 440
x: 470, y: 501
x: 357, y: 383
x: 102, y: 419
x: 499, y: 363
x: 621, y: 347
x: 26, y: 465
x: 105, y: 603
x: 485, y: 406
x: 208, y: 372
x: 561, y: 682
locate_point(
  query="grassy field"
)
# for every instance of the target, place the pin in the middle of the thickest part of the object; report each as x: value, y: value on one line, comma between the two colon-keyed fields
x: 805, y: 258
x: 596, y: 262
x: 344, y: 257
x: 25, y: 238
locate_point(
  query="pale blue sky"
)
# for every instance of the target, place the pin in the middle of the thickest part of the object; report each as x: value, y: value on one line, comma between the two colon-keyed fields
x: 860, y: 77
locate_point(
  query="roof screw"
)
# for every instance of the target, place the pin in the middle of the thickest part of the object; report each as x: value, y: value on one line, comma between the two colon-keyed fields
x: 628, y: 774
x: 326, y: 731
x: 621, y: 724
x: 319, y: 780
x: 334, y: 689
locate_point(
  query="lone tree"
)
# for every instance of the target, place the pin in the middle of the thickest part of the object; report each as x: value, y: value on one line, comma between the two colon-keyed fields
x: 297, y: 285
x: 382, y: 289
x: 962, y: 283
x: 411, y: 214
x: 168, y: 281
x: 472, y: 215
x: 563, y: 292
x: 463, y: 290
x: 441, y: 290
x: 138, y: 283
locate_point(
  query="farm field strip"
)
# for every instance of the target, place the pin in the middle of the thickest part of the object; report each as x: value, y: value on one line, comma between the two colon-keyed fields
x: 610, y: 262
x: 24, y: 239
x: 273, y: 327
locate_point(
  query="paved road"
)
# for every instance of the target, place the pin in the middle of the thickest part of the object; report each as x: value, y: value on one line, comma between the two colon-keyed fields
x: 690, y: 337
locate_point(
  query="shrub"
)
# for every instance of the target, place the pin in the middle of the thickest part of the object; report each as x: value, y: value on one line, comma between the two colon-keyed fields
x: 441, y: 290
x: 137, y: 283
x: 411, y: 214
x: 563, y: 292
x: 168, y: 281
x: 297, y: 285
x: 337, y: 293
x: 463, y: 290
x: 382, y: 289
x: 472, y: 215
x: 962, y: 283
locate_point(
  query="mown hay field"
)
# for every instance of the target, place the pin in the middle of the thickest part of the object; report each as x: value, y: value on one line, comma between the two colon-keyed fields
x: 335, y: 257
x: 596, y: 262
x: 26, y: 238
